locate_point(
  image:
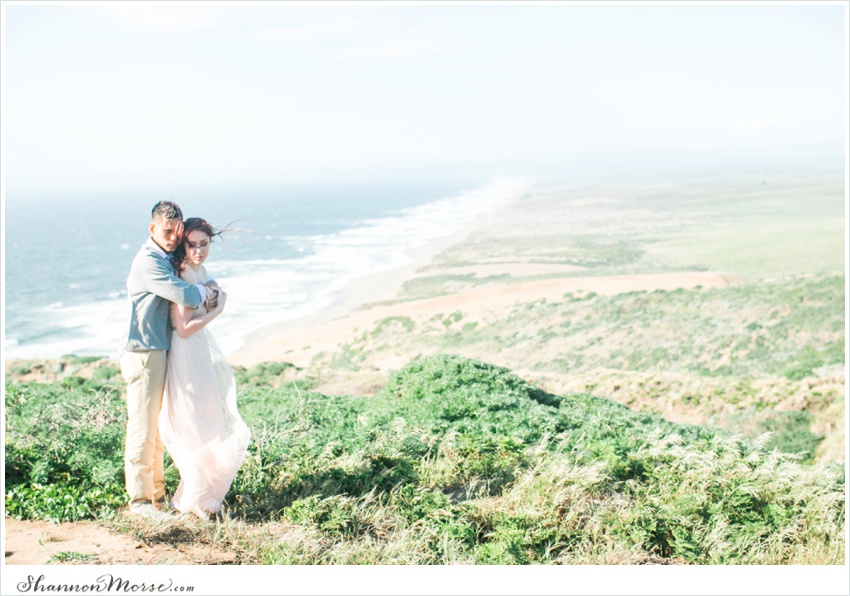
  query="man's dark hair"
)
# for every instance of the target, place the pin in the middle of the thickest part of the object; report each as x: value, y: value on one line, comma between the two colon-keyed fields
x: 166, y: 210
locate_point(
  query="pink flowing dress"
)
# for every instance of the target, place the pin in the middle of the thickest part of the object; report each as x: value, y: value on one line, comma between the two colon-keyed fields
x: 199, y: 424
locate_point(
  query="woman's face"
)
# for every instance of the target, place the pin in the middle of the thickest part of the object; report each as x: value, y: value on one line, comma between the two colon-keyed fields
x: 197, y: 246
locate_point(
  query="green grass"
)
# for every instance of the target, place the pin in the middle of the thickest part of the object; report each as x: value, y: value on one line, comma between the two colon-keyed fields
x: 787, y: 327
x: 74, y: 359
x: 790, y: 431
x: 454, y: 461
x: 755, y: 250
x: 754, y: 225
x: 265, y: 374
x: 70, y: 557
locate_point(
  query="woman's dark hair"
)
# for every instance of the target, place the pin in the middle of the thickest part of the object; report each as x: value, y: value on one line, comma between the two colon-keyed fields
x: 178, y: 257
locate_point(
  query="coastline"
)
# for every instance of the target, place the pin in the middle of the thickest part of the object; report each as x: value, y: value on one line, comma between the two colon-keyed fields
x: 555, y: 245
x: 378, y: 287
x: 307, y: 263
x: 362, y: 291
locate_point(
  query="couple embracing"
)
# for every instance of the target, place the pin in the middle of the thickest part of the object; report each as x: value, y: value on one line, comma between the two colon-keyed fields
x: 181, y: 394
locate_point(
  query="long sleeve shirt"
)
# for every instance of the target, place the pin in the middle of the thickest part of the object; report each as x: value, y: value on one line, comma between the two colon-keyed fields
x: 151, y: 288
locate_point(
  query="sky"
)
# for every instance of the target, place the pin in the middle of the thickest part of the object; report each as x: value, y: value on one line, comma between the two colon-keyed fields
x: 147, y: 95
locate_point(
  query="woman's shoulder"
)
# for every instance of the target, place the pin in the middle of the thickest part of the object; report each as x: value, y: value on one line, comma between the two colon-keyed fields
x: 191, y: 276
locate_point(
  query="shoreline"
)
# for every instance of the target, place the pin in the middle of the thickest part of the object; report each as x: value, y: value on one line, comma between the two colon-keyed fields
x: 555, y: 235
x: 366, y: 290
x: 362, y: 291
x: 511, y: 255
x: 335, y: 271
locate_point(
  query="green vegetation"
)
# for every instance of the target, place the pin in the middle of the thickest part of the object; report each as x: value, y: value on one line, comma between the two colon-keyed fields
x: 394, y: 324
x: 74, y: 359
x: 755, y: 250
x: 751, y: 225
x: 790, y: 431
x: 786, y: 327
x: 270, y: 374
x: 64, y: 449
x: 454, y: 461
x: 70, y: 557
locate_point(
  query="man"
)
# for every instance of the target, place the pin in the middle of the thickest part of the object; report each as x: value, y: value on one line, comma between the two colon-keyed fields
x: 151, y: 287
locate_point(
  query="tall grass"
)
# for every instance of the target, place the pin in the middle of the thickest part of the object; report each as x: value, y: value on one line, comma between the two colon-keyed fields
x: 454, y: 461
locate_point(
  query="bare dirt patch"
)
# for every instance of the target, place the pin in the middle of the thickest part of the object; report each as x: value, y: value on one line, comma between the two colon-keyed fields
x: 35, y: 542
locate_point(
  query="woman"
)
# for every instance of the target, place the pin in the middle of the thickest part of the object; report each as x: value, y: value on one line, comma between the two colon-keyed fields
x: 199, y: 423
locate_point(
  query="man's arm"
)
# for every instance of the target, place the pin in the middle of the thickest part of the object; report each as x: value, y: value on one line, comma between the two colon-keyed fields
x: 160, y: 280
x: 212, y: 290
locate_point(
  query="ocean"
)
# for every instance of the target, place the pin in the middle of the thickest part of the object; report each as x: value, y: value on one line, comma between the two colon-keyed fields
x: 292, y: 253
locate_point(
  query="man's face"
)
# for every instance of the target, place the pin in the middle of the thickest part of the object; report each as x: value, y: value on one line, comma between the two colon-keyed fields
x: 166, y: 233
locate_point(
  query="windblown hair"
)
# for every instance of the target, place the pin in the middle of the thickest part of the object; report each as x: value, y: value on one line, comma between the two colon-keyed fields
x: 178, y: 257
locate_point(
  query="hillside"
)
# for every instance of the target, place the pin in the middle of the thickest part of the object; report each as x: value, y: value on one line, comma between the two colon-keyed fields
x: 454, y: 460
x: 619, y: 374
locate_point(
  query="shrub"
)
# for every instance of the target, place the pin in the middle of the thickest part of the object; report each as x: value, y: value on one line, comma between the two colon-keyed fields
x: 64, y: 450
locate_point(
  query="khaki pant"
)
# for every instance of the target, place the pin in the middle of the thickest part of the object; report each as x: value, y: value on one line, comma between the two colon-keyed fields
x: 143, y: 449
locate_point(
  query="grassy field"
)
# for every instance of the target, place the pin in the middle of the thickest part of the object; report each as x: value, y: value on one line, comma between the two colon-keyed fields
x: 769, y: 348
x: 454, y: 461
x: 754, y: 226
x: 769, y: 249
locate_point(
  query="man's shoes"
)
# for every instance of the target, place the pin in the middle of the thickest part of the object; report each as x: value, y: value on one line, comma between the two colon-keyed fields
x: 147, y: 509
x: 165, y: 504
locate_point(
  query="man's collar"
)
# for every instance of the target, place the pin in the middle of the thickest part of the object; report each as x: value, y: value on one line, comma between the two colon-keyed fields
x: 156, y: 248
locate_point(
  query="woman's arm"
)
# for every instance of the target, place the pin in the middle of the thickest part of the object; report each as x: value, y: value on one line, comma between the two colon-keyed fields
x: 185, y: 325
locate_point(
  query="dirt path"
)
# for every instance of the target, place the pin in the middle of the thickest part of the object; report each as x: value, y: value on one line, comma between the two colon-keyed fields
x: 33, y: 542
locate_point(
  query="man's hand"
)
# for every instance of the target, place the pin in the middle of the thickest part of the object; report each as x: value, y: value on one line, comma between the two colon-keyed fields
x: 222, y: 298
x: 213, y: 290
x: 212, y: 300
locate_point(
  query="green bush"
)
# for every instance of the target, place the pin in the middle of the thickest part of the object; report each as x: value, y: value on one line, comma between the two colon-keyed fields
x: 64, y: 450
x: 262, y: 375
x: 451, y: 393
x: 790, y: 431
